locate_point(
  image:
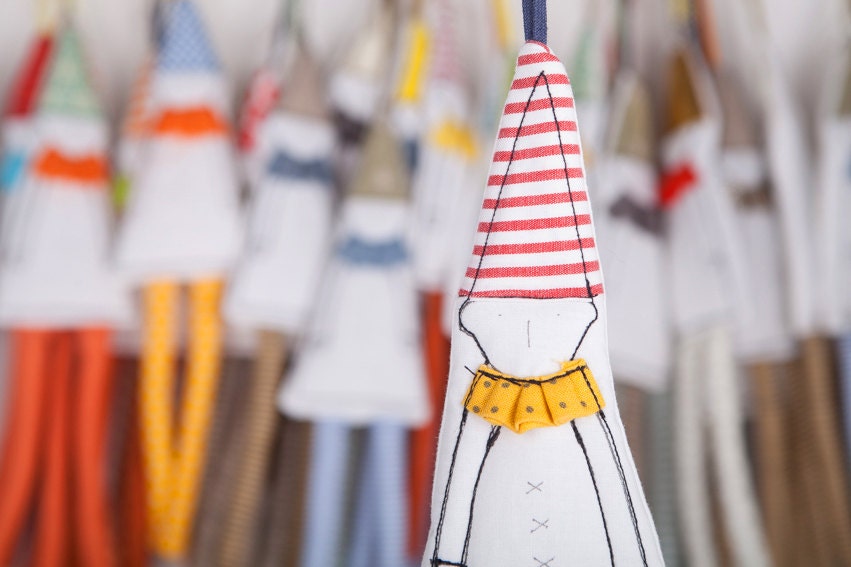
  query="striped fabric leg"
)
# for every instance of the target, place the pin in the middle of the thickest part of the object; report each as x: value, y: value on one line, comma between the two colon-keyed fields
x: 812, y: 524
x: 739, y: 510
x: 197, y: 410
x: 224, y: 442
x: 662, y: 481
x: 95, y: 383
x: 843, y: 345
x: 692, y: 483
x: 156, y: 390
x: 24, y: 434
x: 388, y: 445
x: 825, y: 422
x: 257, y: 438
x: 284, y: 541
x: 364, y: 542
x: 772, y: 460
x: 326, y: 494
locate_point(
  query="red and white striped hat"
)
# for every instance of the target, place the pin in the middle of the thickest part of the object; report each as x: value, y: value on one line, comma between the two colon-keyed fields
x: 535, y: 236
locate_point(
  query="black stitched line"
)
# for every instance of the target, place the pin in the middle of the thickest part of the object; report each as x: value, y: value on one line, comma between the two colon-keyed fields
x: 575, y: 221
x: 523, y: 381
x: 613, y: 449
x: 596, y: 489
x: 469, y: 297
x: 439, y: 530
x: 494, y: 435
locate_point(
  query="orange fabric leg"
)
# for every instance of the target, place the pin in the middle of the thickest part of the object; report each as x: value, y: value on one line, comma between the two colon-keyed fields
x: 93, y: 522
x: 424, y: 443
x: 134, y: 548
x: 21, y: 449
x: 51, y: 547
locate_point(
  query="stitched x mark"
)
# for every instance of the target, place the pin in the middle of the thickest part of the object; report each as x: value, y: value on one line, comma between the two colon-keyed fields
x: 534, y: 487
x: 539, y: 525
x: 544, y: 563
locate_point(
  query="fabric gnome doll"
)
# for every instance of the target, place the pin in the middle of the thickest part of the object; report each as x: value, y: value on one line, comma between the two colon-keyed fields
x: 708, y: 283
x: 62, y: 297
x: 361, y: 362
x: 273, y: 289
x: 533, y: 465
x: 182, y: 224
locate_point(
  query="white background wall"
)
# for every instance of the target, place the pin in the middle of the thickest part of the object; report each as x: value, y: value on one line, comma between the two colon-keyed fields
x: 802, y: 31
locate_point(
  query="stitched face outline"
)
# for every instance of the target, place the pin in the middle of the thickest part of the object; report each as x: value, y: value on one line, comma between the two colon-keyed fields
x: 547, y: 331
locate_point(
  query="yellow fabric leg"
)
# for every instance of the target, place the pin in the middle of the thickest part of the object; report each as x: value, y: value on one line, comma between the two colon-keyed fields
x: 202, y: 380
x: 155, y: 399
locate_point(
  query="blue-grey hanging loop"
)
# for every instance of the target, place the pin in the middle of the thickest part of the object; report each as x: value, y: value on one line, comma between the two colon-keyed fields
x: 535, y: 20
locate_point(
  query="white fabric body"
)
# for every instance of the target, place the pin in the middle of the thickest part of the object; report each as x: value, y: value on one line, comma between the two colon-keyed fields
x: 361, y: 360
x: 442, y: 174
x: 834, y: 234
x: 834, y: 200
x: 708, y: 274
x: 529, y: 337
x: 288, y: 234
x: 766, y: 336
x: 635, y: 264
x: 182, y: 219
x: 788, y: 169
x: 57, y: 272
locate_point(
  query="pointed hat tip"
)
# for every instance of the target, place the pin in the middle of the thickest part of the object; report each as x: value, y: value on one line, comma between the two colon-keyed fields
x: 67, y: 88
x: 634, y: 134
x: 535, y: 236
x: 382, y: 172
x: 683, y: 101
x: 185, y: 45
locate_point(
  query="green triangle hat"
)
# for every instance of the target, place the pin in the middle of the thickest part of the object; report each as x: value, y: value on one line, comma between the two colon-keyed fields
x: 67, y: 90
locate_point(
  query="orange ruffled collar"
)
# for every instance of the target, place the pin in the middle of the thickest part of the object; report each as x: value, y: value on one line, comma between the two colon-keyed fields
x: 52, y: 163
x: 190, y: 122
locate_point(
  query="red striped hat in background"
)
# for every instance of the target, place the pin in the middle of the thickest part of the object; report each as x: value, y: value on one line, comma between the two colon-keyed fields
x: 535, y: 236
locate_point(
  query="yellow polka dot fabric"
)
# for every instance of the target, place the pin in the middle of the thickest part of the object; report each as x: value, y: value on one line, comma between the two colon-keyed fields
x: 156, y: 384
x: 521, y: 404
x: 174, y: 463
x: 197, y: 411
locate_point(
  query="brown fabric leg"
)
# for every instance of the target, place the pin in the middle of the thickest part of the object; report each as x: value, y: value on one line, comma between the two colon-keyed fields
x: 811, y: 523
x: 285, y: 524
x: 632, y: 405
x: 222, y: 469
x: 256, y: 439
x: 772, y: 461
x: 821, y: 401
